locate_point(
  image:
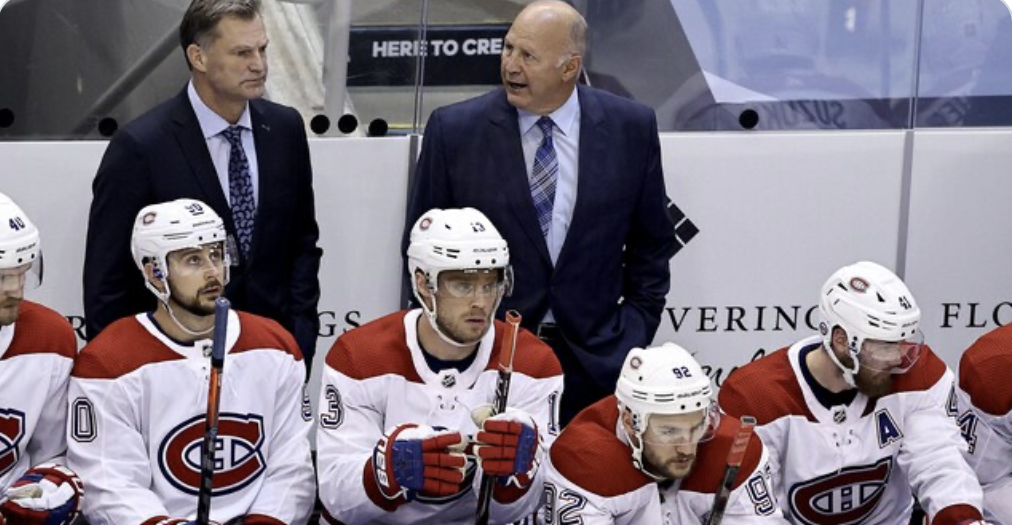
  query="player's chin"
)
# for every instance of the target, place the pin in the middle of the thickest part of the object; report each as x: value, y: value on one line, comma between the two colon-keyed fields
x: 9, y: 314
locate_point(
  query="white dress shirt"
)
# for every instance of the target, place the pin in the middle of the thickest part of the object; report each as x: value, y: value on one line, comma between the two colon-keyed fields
x: 212, y: 124
x: 566, y: 139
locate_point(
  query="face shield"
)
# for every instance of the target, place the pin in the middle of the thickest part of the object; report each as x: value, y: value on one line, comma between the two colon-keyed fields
x: 196, y: 261
x: 469, y: 283
x: 682, y: 429
x: 893, y: 357
x: 22, y: 277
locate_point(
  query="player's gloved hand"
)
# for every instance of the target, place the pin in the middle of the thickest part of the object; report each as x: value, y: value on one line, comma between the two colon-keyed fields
x: 412, y: 459
x: 46, y: 494
x: 509, y: 446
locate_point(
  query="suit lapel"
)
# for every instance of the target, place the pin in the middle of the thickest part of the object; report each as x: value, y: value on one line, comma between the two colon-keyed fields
x: 267, y: 173
x: 594, y: 140
x: 513, y: 171
x: 191, y: 140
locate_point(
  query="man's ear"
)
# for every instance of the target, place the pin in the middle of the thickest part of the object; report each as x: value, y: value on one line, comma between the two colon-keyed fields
x: 196, y: 57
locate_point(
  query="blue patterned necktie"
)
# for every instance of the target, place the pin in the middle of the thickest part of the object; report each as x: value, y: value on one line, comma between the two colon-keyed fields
x: 240, y: 189
x: 544, y: 176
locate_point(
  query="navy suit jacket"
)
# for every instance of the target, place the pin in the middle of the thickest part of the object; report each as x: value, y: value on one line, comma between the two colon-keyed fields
x: 608, y: 288
x: 162, y: 156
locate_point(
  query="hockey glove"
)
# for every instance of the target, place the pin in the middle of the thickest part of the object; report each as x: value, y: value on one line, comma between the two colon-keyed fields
x: 509, y: 447
x: 412, y: 459
x: 46, y: 494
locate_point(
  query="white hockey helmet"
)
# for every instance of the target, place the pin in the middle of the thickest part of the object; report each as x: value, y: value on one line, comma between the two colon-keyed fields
x: 175, y: 225
x: 456, y: 239
x: 665, y: 380
x: 19, y: 242
x: 870, y: 303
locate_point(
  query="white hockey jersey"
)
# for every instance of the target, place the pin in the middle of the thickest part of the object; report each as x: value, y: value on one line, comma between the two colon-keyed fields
x: 857, y: 463
x: 36, y: 355
x: 591, y: 479
x: 138, y: 406
x: 377, y: 378
x: 982, y: 407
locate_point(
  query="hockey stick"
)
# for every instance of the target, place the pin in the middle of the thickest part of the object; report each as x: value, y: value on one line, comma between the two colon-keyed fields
x: 734, y: 458
x: 502, y: 392
x: 221, y: 307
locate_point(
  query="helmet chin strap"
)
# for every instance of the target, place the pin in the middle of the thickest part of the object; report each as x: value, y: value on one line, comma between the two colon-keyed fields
x: 637, y: 452
x: 849, y: 375
x: 431, y: 315
x: 163, y: 297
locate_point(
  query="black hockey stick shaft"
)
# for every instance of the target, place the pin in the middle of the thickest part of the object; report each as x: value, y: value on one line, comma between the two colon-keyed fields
x: 221, y: 307
x: 734, y: 459
x: 502, y: 393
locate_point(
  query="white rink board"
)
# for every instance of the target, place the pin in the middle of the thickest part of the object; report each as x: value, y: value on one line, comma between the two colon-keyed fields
x: 959, y: 263
x: 777, y: 213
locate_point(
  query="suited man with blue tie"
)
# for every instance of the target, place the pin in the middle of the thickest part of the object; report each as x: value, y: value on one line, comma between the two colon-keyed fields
x: 219, y: 142
x: 572, y: 177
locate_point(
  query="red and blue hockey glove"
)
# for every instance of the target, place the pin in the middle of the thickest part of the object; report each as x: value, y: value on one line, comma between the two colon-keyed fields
x: 509, y: 447
x: 46, y: 494
x: 416, y: 459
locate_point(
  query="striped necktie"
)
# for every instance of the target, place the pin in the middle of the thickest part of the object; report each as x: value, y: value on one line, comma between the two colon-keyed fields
x: 544, y: 176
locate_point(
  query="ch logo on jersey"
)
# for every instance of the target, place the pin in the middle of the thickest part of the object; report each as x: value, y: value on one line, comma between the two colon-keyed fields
x: 12, y: 430
x: 847, y: 497
x: 238, y: 458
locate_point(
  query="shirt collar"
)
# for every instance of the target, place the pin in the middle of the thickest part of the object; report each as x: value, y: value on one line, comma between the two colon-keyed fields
x: 211, y: 123
x: 564, y: 116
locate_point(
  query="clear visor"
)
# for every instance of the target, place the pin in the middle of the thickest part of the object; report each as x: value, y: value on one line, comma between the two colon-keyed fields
x: 684, y: 429
x: 217, y: 256
x: 27, y: 276
x: 473, y: 284
x: 894, y: 357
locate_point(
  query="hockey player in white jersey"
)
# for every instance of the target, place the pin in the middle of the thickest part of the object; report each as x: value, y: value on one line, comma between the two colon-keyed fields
x: 655, y: 452
x: 139, y: 393
x: 855, y: 417
x: 37, y: 351
x: 982, y: 405
x: 401, y: 394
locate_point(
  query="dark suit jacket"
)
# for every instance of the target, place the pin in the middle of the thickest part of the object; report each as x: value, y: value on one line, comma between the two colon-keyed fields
x: 161, y: 156
x: 608, y: 288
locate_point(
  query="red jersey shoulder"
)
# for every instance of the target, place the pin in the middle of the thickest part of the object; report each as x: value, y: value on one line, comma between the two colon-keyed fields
x: 925, y: 373
x: 982, y: 371
x: 121, y: 348
x: 590, y: 455
x: 767, y: 389
x: 258, y: 332
x: 533, y: 357
x: 711, y: 458
x: 374, y: 349
x: 40, y: 329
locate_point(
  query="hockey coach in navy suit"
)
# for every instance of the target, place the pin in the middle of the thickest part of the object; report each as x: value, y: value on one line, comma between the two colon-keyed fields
x: 216, y: 141
x: 572, y: 178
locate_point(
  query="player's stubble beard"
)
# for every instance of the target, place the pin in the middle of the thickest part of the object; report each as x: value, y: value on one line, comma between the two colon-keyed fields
x: 10, y: 309
x: 664, y: 468
x: 193, y: 304
x: 456, y: 329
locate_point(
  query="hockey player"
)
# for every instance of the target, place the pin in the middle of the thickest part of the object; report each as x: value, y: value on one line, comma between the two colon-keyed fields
x: 855, y: 417
x: 139, y: 393
x: 37, y: 350
x: 982, y: 407
x: 654, y: 453
x: 401, y: 395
